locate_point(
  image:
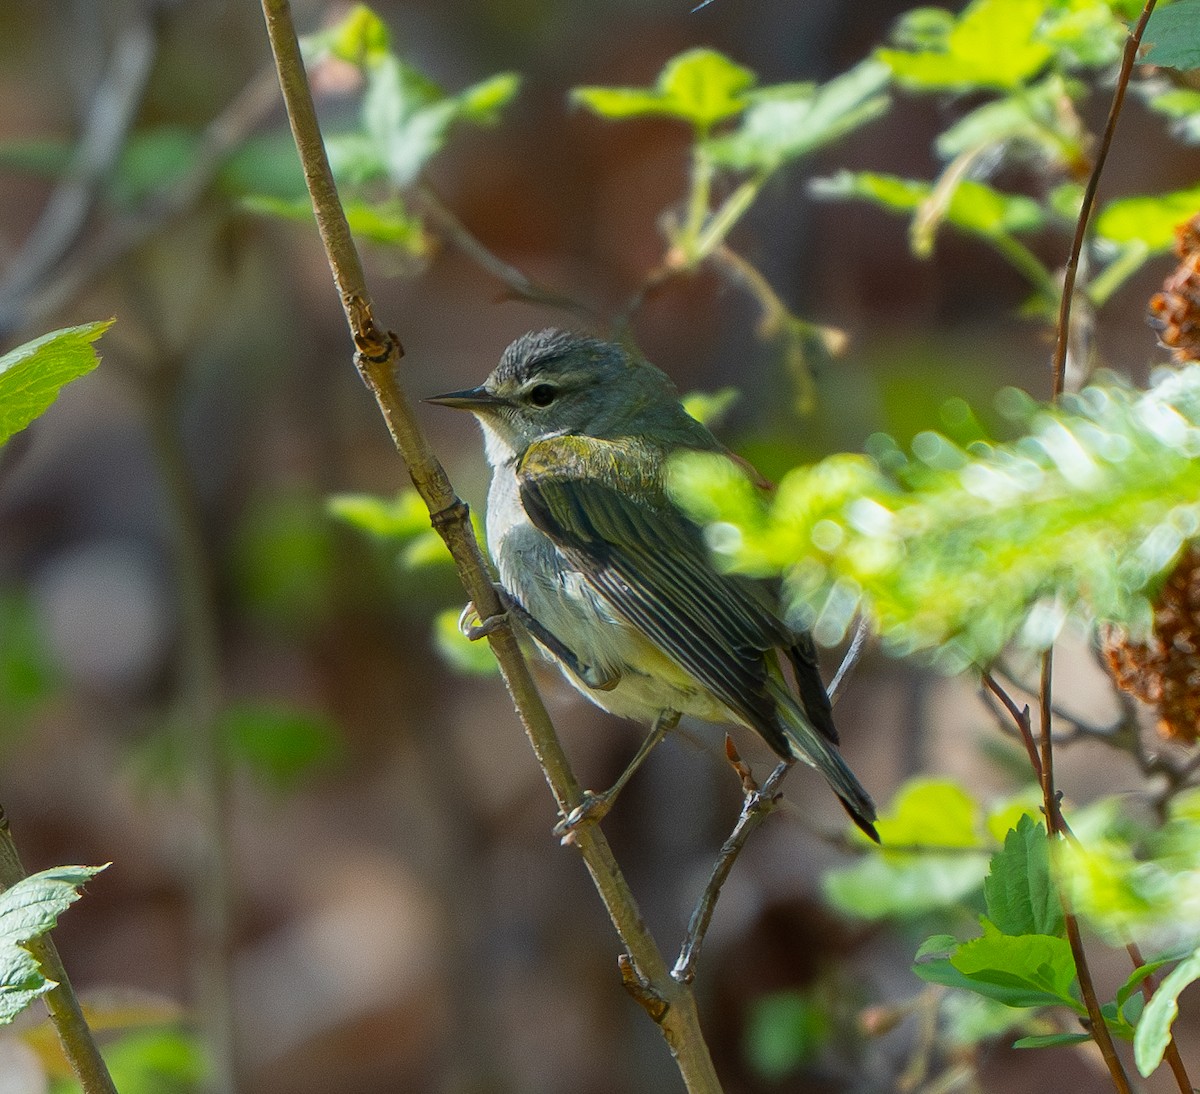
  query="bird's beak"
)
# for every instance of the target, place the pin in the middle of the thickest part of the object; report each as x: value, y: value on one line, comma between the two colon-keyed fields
x: 473, y: 398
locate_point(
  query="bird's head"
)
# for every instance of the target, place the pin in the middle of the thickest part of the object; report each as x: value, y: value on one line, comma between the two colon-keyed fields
x: 555, y: 382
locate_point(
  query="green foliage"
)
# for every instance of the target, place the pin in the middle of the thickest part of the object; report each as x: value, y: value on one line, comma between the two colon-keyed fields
x: 1181, y: 105
x: 1154, y: 1027
x: 920, y: 865
x: 32, y: 375
x: 28, y: 910
x: 701, y: 87
x: 1173, y: 36
x: 458, y: 651
x: 28, y: 676
x: 1021, y: 898
x: 406, y: 118
x: 993, y: 44
x: 385, y: 222
x: 280, y: 744
x: 785, y: 1030
x: 953, y: 551
x: 711, y: 407
x: 1147, y: 219
x: 788, y: 121
x: 164, y: 1061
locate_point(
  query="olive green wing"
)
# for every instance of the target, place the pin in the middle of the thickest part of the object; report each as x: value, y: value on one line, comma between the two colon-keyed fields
x: 604, y: 505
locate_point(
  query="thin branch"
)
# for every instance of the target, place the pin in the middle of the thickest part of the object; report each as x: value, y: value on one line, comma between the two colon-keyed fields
x: 1020, y: 716
x: 61, y: 1001
x: 1132, y: 45
x: 521, y: 286
x: 113, y: 106
x: 1149, y: 986
x: 757, y: 806
x: 377, y: 355
x: 197, y: 705
x: 124, y: 235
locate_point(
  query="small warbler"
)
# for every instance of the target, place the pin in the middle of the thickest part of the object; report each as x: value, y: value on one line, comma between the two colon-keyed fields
x: 612, y: 580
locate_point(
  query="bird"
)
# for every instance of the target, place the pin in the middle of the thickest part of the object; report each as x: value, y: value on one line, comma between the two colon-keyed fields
x: 613, y: 581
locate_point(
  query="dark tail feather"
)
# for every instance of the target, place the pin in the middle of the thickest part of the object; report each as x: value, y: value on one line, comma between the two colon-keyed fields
x: 814, y: 748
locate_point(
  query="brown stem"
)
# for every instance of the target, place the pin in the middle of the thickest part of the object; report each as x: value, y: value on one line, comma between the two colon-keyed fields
x: 1132, y: 44
x: 78, y: 1044
x: 1020, y: 715
x: 377, y: 354
x: 1149, y: 986
x: 1055, y: 828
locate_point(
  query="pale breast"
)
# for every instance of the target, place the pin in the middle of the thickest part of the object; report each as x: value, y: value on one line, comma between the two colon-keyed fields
x: 559, y: 597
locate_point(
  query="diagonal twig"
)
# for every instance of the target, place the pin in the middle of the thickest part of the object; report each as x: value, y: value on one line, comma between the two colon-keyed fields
x: 377, y: 353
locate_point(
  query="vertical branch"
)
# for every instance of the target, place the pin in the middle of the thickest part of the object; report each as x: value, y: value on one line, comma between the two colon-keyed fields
x: 1054, y: 821
x: 644, y: 970
x: 65, y: 1012
x: 195, y: 719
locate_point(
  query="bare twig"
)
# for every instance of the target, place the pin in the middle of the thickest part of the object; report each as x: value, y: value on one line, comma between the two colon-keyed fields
x: 521, y: 286
x: 758, y: 804
x: 124, y: 235
x: 77, y: 1041
x: 1132, y: 45
x: 377, y: 354
x: 1020, y: 716
x: 197, y: 706
x: 113, y: 107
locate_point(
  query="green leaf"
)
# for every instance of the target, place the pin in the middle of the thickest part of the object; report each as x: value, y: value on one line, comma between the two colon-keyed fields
x: 789, y: 121
x: 28, y: 674
x: 1052, y: 1040
x: 32, y: 375
x: 459, y: 652
x: 1154, y: 1028
x: 162, y: 1061
x: 1041, y: 965
x: 783, y: 1031
x: 929, y: 812
x: 28, y: 910
x: 993, y: 44
x: 711, y: 407
x: 882, y: 886
x: 974, y: 207
x: 1182, y: 106
x: 280, y: 744
x: 1134, y: 981
x: 361, y: 39
x: 401, y: 523
x: 386, y: 222
x: 1173, y: 36
x: 1020, y: 895
x: 1150, y: 219
x: 701, y: 86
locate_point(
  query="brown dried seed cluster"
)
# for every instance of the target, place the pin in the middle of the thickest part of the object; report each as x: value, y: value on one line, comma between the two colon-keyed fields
x: 1165, y: 672
x: 1175, y: 311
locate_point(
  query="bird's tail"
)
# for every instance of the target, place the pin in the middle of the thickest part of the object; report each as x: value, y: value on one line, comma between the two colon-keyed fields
x: 807, y: 744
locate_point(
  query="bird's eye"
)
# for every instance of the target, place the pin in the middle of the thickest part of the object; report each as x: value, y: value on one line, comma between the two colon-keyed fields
x: 543, y: 395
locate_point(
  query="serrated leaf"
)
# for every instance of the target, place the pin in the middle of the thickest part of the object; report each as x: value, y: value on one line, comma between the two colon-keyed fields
x: 1154, y: 1027
x: 32, y: 375
x: 790, y: 121
x: 1052, y: 1040
x: 1149, y: 219
x: 281, y: 744
x: 941, y: 971
x: 28, y: 910
x: 701, y: 86
x: 1032, y: 962
x: 470, y: 658
x: 1173, y: 36
x: 993, y: 44
x: 1020, y: 895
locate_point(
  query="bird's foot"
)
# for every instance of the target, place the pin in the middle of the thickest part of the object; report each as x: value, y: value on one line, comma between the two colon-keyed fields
x: 591, y: 810
x: 474, y: 631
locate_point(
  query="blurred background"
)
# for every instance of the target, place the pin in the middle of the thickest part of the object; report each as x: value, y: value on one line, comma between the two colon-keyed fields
x: 206, y: 678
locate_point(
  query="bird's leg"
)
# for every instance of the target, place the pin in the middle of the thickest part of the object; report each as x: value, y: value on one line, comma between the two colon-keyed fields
x: 594, y: 806
x: 592, y: 676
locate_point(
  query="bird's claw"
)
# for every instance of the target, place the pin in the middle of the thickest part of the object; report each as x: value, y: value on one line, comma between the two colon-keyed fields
x: 590, y: 810
x: 475, y: 631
